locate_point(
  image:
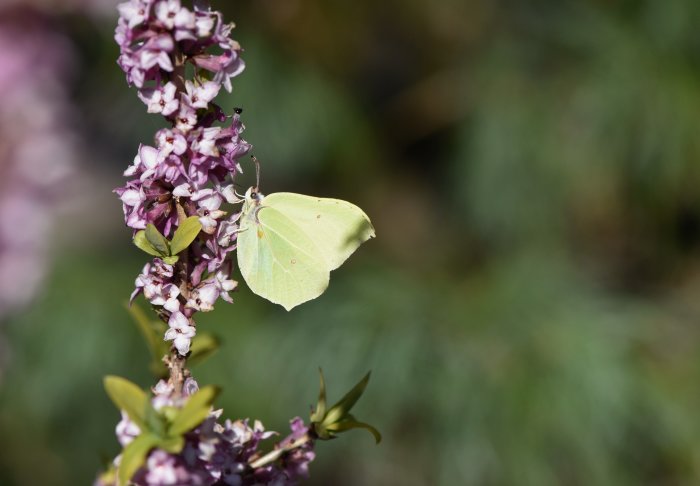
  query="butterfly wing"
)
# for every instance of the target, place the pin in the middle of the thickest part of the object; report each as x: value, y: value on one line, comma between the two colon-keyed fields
x: 278, y: 260
x: 336, y: 227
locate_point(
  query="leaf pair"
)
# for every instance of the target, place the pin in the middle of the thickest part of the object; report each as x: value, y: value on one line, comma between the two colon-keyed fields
x: 328, y: 423
x: 154, y: 243
x: 203, y: 345
x: 162, y: 429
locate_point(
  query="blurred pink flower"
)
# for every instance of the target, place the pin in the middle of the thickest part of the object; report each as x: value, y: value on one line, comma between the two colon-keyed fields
x: 37, y: 149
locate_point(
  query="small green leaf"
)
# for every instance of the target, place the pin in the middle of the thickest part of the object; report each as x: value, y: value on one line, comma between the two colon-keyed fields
x: 185, y: 234
x: 326, y: 424
x: 157, y: 240
x: 171, y: 260
x: 203, y: 346
x: 318, y: 414
x: 173, y: 445
x: 351, y: 423
x: 142, y: 243
x: 155, y: 422
x: 134, y: 456
x: 194, y: 412
x: 128, y: 397
x: 169, y: 412
x: 345, y: 404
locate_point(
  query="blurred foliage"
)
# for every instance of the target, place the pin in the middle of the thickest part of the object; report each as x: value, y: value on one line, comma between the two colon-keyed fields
x: 529, y: 309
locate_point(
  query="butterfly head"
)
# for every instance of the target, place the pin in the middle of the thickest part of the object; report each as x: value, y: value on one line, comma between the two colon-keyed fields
x: 252, y: 199
x: 253, y: 196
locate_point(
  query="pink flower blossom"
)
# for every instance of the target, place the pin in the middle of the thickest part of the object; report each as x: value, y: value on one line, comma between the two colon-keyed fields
x: 203, y: 297
x: 170, y: 142
x: 126, y: 430
x: 200, y: 96
x: 161, y: 100
x: 135, y: 12
x: 180, y: 332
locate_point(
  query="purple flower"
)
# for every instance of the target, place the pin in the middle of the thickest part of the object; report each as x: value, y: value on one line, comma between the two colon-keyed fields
x: 190, y: 387
x: 170, y: 142
x: 200, y: 96
x: 126, y: 430
x: 161, y: 100
x: 203, y: 297
x: 134, y: 12
x: 296, y: 463
x: 184, y: 190
x: 155, y: 283
x: 38, y: 152
x: 225, y: 66
x: 167, y: 297
x: 186, y: 118
x: 180, y: 332
x: 161, y: 469
x: 162, y: 395
x: 224, y: 285
x: 205, y: 144
x: 156, y: 52
x: 208, y: 202
x: 204, y: 24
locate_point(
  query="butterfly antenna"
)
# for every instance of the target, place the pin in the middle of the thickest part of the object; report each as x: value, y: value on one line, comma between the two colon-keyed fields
x: 257, y: 172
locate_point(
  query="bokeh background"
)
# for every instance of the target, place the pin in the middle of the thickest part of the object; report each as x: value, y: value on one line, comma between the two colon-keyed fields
x: 529, y: 309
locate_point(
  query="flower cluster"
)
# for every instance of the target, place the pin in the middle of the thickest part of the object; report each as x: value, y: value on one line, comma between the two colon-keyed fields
x: 189, y: 171
x: 156, y: 35
x: 215, y: 453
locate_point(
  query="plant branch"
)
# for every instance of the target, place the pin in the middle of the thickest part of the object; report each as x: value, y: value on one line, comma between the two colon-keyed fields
x: 275, y: 454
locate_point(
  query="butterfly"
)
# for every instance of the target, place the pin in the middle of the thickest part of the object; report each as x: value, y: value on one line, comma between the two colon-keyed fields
x: 289, y: 243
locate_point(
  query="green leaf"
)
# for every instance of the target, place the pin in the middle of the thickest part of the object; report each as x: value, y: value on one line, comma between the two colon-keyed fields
x: 185, y: 234
x: 169, y: 412
x: 194, y: 412
x: 337, y: 419
x: 351, y: 423
x: 173, y: 445
x: 134, y: 456
x: 128, y: 397
x: 142, y: 242
x: 171, y: 260
x: 155, y: 422
x: 345, y: 404
x: 318, y: 414
x: 152, y: 332
x: 159, y: 242
x: 203, y: 346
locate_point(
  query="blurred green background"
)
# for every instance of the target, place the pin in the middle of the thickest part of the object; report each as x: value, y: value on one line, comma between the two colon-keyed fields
x: 529, y: 308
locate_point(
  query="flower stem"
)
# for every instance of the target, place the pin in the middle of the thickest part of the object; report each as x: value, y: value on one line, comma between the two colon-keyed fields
x: 178, y: 370
x: 275, y: 454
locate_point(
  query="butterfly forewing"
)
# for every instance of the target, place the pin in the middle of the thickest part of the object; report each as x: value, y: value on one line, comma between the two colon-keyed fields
x: 278, y: 260
x: 336, y: 227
